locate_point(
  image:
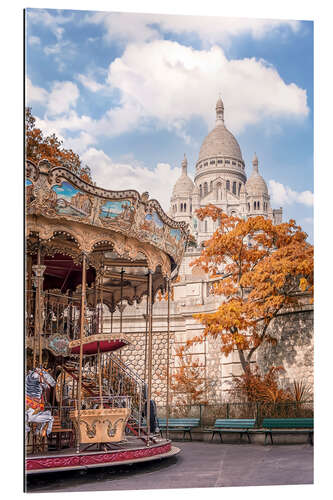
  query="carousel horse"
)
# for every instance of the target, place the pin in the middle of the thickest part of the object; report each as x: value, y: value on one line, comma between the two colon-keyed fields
x: 36, y: 382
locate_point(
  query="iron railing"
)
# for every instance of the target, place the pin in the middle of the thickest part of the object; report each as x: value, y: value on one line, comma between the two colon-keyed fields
x: 257, y: 410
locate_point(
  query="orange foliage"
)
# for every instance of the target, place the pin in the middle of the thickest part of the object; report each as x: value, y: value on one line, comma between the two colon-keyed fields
x: 264, y: 388
x: 263, y: 268
x: 38, y: 147
x: 188, y: 380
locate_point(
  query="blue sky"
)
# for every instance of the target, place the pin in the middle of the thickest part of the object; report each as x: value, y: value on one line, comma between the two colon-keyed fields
x: 131, y: 93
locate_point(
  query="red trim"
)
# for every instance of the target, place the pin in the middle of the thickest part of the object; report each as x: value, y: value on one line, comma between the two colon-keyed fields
x: 94, y: 458
x: 104, y: 346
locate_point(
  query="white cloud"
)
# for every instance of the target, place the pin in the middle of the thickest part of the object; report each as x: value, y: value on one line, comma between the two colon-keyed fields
x: 284, y: 195
x: 124, y: 27
x: 66, y: 122
x: 90, y: 83
x: 128, y: 27
x: 79, y: 144
x: 63, y: 51
x: 53, y: 21
x: 165, y: 84
x: 171, y: 83
x: 62, y: 97
x: 158, y: 182
x: 34, y: 94
x: 34, y: 40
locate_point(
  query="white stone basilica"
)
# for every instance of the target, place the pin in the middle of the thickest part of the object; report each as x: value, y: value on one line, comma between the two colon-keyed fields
x: 220, y: 179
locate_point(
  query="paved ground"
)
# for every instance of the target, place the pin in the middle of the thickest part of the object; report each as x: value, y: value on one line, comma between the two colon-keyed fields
x: 200, y: 464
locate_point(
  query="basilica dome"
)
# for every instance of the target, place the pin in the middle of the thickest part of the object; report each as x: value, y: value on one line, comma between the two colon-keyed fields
x: 256, y: 185
x: 184, y: 185
x: 220, y: 142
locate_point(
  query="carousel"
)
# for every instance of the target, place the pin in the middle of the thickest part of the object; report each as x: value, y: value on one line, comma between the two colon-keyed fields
x: 88, y: 251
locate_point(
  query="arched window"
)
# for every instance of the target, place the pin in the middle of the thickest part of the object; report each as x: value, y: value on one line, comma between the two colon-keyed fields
x: 248, y: 206
x: 205, y: 188
x: 228, y: 185
x: 181, y: 207
x: 191, y: 208
x: 200, y: 187
x: 258, y: 205
x: 234, y: 184
x: 239, y: 188
x: 184, y: 207
x: 206, y: 227
x: 211, y: 185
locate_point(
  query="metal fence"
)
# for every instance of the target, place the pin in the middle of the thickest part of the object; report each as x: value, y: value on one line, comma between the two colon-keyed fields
x: 257, y: 410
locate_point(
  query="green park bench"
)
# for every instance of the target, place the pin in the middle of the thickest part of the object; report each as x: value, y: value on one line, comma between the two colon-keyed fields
x: 288, y: 426
x: 232, y: 425
x: 179, y: 424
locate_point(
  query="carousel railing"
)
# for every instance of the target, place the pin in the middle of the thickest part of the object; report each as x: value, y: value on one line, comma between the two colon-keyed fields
x: 125, y: 380
x: 61, y: 314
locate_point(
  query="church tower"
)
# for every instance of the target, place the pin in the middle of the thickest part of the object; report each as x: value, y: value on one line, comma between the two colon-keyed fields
x: 181, y: 199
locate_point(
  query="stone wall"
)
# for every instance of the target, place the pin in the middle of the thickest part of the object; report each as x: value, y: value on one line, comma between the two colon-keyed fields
x: 134, y: 357
x: 294, y: 349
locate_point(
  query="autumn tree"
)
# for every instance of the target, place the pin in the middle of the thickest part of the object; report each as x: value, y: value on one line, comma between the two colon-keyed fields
x: 39, y: 147
x: 263, y: 269
x: 188, y: 381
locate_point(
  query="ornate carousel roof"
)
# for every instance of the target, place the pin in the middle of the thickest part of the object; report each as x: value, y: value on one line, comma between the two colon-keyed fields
x: 124, y: 234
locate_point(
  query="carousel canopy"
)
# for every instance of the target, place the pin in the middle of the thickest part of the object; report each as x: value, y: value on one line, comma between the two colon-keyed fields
x: 123, y: 234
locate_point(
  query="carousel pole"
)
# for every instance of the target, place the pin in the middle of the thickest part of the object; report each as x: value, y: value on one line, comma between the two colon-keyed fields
x: 102, y: 297
x: 100, y: 375
x: 29, y: 293
x: 150, y: 349
x: 168, y: 360
x: 120, y: 305
x: 146, y: 333
x: 62, y: 375
x: 39, y: 271
x: 70, y: 323
x: 99, y: 350
x: 82, y: 318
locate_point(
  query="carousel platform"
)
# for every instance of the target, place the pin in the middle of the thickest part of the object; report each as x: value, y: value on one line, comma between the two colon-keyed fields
x: 133, y: 450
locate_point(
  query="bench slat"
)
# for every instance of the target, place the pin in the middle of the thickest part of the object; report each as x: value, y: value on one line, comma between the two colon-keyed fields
x: 244, y: 423
x: 287, y: 423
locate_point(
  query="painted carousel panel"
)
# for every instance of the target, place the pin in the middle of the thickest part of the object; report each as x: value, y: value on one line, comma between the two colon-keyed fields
x: 71, y: 201
x: 115, y: 210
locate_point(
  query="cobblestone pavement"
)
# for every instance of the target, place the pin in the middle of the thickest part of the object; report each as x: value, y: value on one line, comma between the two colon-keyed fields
x: 200, y: 464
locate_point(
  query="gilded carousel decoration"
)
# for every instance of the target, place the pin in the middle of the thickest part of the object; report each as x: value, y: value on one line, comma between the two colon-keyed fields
x: 88, y: 249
